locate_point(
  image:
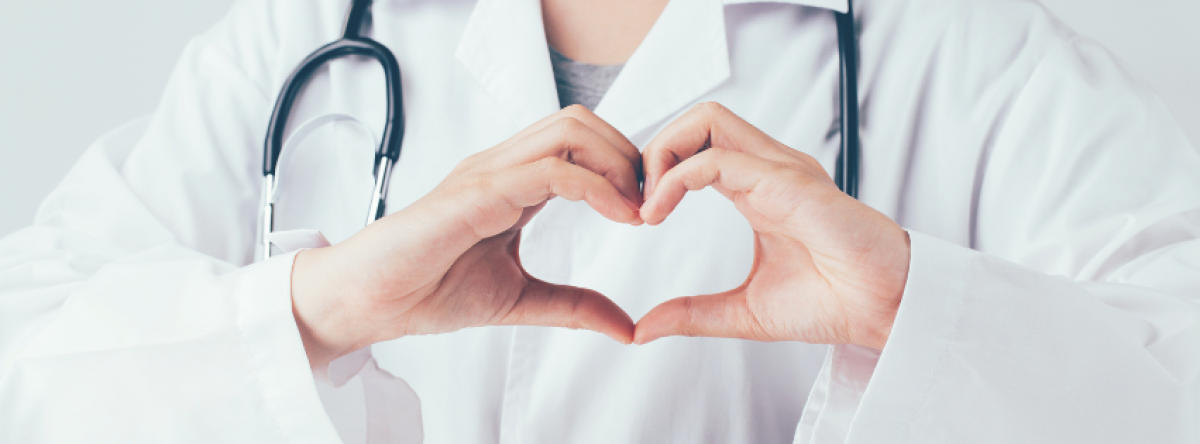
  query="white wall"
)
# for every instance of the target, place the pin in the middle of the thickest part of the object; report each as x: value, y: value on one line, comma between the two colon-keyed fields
x: 71, y: 69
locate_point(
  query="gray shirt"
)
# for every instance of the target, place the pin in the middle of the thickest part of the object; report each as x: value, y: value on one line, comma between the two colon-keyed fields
x: 581, y: 83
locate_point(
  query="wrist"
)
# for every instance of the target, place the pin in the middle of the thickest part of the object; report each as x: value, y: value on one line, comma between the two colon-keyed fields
x: 320, y: 313
x: 889, y: 305
x: 875, y: 333
x: 874, y: 330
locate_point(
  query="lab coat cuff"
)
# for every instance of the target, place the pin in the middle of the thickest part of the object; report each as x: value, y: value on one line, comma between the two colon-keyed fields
x: 882, y: 391
x: 340, y: 370
x: 272, y: 339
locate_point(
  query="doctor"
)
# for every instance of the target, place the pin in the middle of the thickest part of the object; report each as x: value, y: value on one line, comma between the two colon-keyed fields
x: 1043, y: 287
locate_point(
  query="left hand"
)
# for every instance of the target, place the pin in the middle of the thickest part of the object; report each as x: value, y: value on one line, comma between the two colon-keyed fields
x: 827, y: 268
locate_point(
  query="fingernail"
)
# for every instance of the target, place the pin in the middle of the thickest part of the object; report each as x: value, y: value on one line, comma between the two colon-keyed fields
x: 630, y: 204
x: 620, y: 339
x: 648, y: 221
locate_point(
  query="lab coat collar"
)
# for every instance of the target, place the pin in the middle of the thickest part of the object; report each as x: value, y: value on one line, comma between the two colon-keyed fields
x: 504, y: 47
x: 684, y: 56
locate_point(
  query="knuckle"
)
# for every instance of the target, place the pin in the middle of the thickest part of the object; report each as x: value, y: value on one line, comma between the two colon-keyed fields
x: 713, y: 157
x: 549, y: 164
x: 555, y: 169
x: 471, y: 162
x: 566, y: 132
x: 576, y: 111
x: 711, y: 108
x: 576, y: 315
x: 807, y: 160
x: 690, y: 318
x: 569, y: 124
x: 804, y: 157
x: 717, y: 152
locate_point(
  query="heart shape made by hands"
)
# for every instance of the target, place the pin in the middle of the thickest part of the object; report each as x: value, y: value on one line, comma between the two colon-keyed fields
x: 827, y: 268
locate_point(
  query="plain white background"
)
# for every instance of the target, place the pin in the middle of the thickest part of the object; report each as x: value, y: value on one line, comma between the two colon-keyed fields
x: 72, y: 69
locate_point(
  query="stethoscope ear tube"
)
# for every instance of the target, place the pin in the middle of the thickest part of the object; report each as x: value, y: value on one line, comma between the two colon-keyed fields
x: 847, y: 169
x: 388, y: 151
x: 393, y: 131
x: 352, y: 29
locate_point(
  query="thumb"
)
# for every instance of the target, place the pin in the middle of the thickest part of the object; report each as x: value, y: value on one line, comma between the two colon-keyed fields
x: 722, y: 315
x: 549, y: 305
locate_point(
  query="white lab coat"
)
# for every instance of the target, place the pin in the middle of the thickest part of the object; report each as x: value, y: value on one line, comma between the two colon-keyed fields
x: 1053, y: 204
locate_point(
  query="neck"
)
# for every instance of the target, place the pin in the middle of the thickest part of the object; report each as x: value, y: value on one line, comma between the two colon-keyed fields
x: 599, y: 32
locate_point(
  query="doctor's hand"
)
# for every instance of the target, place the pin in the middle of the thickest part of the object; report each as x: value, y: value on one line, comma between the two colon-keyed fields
x: 827, y: 268
x: 449, y: 261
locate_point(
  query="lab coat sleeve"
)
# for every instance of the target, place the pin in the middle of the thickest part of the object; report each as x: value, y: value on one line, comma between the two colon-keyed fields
x: 1074, y: 316
x: 128, y: 312
x: 366, y: 403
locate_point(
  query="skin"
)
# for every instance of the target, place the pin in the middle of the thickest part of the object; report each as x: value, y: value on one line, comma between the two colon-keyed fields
x: 449, y: 261
x: 827, y: 268
x: 600, y: 32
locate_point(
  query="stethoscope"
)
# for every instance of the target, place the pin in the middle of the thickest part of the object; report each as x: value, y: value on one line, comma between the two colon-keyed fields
x: 353, y: 43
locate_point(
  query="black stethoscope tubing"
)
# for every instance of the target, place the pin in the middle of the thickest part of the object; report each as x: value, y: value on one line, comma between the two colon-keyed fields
x: 848, y: 160
x: 353, y: 43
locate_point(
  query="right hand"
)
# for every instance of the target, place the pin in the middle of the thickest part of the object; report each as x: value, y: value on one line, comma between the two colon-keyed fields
x: 449, y: 261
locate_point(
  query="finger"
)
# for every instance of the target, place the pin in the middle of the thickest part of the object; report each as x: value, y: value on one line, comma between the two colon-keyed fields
x: 730, y: 170
x: 548, y: 305
x: 587, y: 117
x: 706, y: 125
x: 608, y: 132
x: 532, y: 184
x: 723, y: 315
x: 572, y: 140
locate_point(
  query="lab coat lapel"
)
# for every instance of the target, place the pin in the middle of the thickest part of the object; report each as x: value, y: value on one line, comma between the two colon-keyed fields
x: 504, y: 47
x: 684, y: 56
